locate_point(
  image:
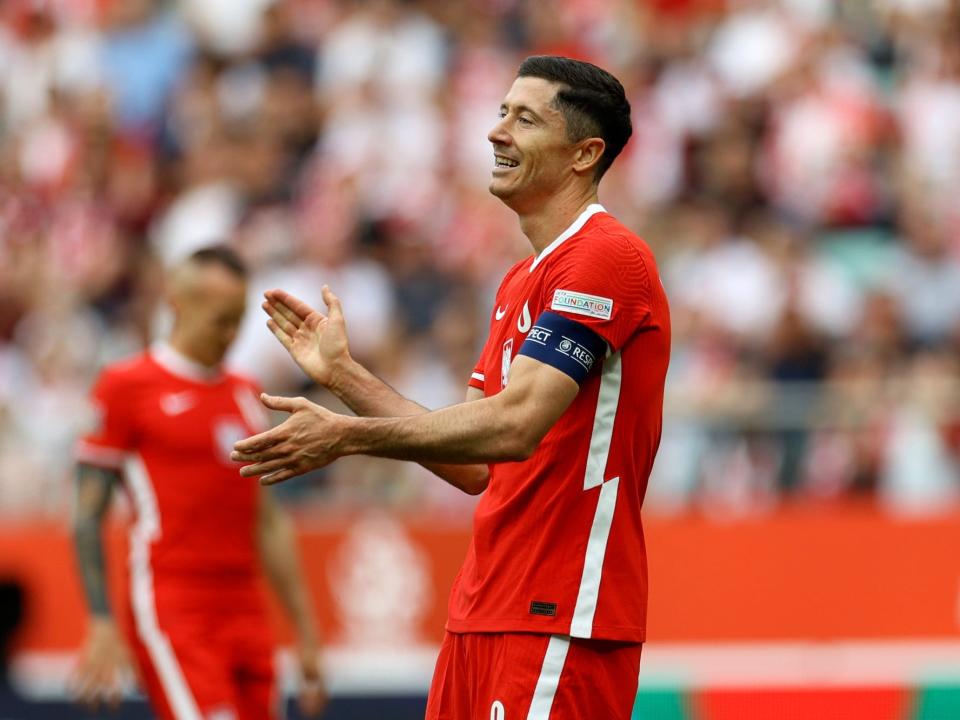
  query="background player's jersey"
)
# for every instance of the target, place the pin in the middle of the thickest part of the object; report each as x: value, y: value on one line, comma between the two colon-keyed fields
x: 558, y: 543
x: 170, y: 426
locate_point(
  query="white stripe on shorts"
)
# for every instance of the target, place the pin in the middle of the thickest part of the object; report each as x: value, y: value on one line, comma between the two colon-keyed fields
x: 549, y: 678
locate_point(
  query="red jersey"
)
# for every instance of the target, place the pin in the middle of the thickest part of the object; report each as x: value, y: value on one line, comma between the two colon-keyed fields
x: 558, y: 541
x: 169, y: 424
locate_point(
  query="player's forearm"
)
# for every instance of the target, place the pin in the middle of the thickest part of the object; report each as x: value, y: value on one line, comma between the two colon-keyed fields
x: 485, y: 431
x: 369, y: 397
x: 281, y: 561
x: 89, y: 547
x: 503, y: 427
x: 93, y: 496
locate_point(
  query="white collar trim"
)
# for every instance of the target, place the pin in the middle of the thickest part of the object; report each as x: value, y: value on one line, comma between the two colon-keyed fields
x: 178, y: 364
x: 591, y: 210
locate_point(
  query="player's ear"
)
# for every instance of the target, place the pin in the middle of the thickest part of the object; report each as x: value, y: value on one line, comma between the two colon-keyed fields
x: 587, y: 155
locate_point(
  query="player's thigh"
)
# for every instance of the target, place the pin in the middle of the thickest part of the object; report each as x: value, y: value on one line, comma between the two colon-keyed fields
x: 449, y: 696
x: 487, y: 675
x: 149, y: 680
x: 553, y: 677
x: 184, y: 668
x: 258, y: 696
x: 522, y: 676
x: 256, y: 687
x: 598, y: 679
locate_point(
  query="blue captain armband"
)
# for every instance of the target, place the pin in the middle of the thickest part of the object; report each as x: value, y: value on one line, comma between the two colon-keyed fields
x: 565, y: 344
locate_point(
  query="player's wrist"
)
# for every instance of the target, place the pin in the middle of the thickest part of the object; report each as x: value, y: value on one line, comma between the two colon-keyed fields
x: 350, y: 435
x: 341, y: 376
x: 102, y: 625
x: 308, y: 642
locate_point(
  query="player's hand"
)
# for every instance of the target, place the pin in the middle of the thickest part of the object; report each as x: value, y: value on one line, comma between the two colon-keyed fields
x: 305, y: 441
x: 316, y: 342
x: 313, y: 691
x: 104, y: 663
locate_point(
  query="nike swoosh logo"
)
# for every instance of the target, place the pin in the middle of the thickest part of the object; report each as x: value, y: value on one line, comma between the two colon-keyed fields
x: 177, y: 403
x: 500, y: 313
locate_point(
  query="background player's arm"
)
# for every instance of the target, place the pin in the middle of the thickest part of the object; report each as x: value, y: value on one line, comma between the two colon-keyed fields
x: 94, y: 491
x: 276, y: 541
x: 504, y: 427
x: 318, y: 344
x: 103, y: 658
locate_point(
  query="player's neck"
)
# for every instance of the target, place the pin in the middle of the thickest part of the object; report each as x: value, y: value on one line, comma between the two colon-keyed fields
x: 543, y: 225
x: 181, y: 345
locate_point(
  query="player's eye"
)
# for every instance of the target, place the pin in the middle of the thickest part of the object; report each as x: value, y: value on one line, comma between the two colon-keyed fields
x: 524, y: 120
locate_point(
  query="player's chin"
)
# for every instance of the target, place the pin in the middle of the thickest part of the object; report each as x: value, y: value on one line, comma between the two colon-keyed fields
x: 500, y: 187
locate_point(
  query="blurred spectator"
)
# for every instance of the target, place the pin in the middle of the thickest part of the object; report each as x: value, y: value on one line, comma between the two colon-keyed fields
x: 925, y: 276
x: 795, y: 164
x: 146, y: 49
x: 921, y: 472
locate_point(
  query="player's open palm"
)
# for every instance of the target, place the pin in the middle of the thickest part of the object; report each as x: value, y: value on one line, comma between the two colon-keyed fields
x: 104, y: 665
x: 307, y: 440
x: 316, y: 342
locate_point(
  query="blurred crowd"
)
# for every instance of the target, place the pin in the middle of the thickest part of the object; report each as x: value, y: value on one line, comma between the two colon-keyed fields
x: 795, y: 165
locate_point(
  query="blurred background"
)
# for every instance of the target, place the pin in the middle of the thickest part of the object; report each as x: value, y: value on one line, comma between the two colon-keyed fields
x: 795, y: 165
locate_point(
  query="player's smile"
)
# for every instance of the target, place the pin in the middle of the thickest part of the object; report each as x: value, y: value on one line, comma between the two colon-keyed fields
x: 508, y: 174
x: 503, y: 163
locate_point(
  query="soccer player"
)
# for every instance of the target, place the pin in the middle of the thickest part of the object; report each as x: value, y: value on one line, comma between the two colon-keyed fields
x: 560, y: 426
x: 168, y: 419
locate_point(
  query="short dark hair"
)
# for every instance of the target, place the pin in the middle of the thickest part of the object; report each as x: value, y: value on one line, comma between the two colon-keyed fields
x: 222, y: 255
x: 592, y: 101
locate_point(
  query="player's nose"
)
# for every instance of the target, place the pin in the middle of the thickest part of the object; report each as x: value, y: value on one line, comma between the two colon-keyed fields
x: 498, y: 134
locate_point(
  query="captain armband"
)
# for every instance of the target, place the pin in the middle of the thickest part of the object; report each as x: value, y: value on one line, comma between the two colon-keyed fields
x: 565, y: 344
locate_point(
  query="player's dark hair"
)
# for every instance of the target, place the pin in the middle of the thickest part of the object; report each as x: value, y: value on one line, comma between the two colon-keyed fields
x: 592, y: 101
x: 222, y: 255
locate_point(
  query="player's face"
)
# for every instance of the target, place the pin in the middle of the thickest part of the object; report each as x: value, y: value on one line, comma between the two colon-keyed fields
x: 532, y: 155
x: 213, y: 313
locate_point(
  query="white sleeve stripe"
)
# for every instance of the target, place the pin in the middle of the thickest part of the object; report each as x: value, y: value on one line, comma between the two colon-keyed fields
x: 608, y: 401
x: 477, y: 376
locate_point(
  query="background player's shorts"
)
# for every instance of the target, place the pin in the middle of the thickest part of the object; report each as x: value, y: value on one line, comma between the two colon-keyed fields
x: 519, y: 676
x: 206, y: 660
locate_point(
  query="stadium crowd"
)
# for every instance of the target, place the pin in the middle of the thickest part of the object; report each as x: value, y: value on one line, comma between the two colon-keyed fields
x: 795, y: 165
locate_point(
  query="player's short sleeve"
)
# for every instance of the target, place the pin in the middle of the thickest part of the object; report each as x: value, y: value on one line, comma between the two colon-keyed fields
x: 477, y: 378
x: 604, y: 286
x: 110, y: 433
